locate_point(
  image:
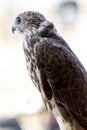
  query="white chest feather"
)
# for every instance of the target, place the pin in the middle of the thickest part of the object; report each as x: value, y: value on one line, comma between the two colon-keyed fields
x: 33, y: 71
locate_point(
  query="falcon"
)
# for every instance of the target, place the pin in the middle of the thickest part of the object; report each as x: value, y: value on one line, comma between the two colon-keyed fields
x: 55, y: 70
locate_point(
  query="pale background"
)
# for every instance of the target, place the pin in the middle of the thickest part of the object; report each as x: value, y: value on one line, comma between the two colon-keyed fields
x: 18, y: 96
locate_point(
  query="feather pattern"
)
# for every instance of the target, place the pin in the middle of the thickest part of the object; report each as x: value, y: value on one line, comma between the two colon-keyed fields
x: 55, y: 70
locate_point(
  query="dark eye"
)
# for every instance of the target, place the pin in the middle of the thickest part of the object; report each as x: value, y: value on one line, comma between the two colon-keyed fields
x: 18, y: 20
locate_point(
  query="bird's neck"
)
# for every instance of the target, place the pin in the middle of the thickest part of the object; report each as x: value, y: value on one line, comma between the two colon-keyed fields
x: 43, y: 33
x: 30, y: 38
x: 30, y: 33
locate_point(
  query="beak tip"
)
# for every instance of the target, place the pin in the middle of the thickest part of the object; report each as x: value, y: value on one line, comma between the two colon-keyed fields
x: 12, y: 31
x: 13, y: 28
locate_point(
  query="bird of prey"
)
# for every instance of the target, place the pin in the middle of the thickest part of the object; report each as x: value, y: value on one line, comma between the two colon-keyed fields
x: 55, y: 70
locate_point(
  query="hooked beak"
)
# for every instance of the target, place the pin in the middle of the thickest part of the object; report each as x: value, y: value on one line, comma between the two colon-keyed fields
x: 13, y: 28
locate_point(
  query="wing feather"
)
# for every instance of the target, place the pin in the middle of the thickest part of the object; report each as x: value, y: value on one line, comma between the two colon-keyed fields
x: 65, y: 76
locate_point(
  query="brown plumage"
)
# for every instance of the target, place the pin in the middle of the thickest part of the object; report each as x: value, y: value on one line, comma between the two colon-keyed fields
x: 55, y: 70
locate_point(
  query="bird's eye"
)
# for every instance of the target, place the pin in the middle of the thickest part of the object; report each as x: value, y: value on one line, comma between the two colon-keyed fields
x: 18, y: 20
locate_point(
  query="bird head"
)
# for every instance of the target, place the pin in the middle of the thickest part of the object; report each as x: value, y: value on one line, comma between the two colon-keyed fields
x: 33, y: 22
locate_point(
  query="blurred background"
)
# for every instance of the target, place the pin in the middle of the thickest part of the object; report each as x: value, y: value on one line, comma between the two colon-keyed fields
x: 21, y: 106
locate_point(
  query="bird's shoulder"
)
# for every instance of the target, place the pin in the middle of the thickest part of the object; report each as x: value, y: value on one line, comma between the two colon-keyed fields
x: 54, y: 50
